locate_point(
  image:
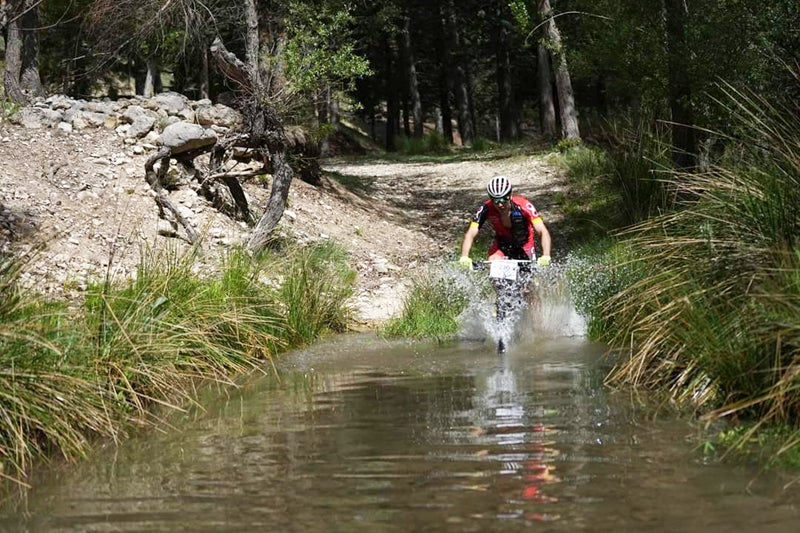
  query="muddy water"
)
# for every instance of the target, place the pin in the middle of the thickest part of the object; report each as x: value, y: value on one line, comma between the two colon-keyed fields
x: 359, y: 434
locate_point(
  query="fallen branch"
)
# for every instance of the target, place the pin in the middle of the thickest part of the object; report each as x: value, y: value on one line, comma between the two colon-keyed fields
x: 162, y: 200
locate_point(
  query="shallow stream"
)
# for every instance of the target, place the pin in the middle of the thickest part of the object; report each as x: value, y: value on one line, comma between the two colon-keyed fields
x: 361, y: 434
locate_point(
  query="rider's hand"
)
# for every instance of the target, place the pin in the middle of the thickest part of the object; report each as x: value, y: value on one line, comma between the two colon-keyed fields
x: 543, y: 260
x: 465, y: 262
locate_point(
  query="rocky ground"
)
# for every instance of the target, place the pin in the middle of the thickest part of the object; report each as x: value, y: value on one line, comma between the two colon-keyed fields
x: 83, y: 194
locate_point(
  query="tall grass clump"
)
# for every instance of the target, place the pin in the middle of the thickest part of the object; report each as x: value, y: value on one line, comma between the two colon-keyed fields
x: 619, y: 182
x: 71, y: 375
x: 716, y: 319
x: 431, y: 307
x: 641, y: 158
x: 589, y: 203
x: 170, y: 325
x: 49, y: 403
x: 316, y: 283
x: 431, y: 143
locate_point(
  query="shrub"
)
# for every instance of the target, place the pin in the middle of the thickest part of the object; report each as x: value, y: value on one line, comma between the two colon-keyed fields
x: 431, y: 308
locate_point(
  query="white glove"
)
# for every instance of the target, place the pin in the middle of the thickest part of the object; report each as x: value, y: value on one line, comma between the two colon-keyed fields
x: 543, y: 260
x: 465, y: 262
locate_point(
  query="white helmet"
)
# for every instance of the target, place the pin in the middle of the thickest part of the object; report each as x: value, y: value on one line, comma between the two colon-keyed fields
x: 499, y: 186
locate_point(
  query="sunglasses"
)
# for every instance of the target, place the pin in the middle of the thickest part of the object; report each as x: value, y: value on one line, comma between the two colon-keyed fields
x: 503, y: 200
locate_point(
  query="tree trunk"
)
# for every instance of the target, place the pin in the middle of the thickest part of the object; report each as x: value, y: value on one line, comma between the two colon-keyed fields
x: 566, y: 100
x: 411, y: 77
x: 29, y: 78
x: 508, y: 128
x: 322, y: 105
x: 547, y: 108
x: 205, y: 78
x: 684, y: 139
x: 458, y: 76
x: 333, y: 108
x: 13, y: 57
x: 282, y: 180
x: 392, y: 98
x: 251, y: 41
x: 151, y: 77
x: 447, y: 116
x: 406, y: 116
x: 443, y: 55
x: 21, y: 75
x: 265, y: 131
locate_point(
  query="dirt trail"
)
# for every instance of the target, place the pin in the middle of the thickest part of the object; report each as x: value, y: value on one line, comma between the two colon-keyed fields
x: 416, y: 212
x: 86, y: 195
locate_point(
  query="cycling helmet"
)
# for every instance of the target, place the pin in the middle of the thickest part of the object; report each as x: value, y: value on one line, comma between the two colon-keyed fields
x: 498, y: 187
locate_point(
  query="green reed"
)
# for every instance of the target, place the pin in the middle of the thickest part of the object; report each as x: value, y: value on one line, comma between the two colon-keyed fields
x: 618, y: 182
x: 315, y: 284
x: 70, y: 376
x: 715, y: 316
x: 431, y: 307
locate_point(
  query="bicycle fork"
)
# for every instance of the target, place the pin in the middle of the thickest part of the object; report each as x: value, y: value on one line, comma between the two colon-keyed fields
x: 509, y: 302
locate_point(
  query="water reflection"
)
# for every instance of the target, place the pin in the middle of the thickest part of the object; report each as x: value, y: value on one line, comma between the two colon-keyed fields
x: 362, y: 435
x: 518, y: 440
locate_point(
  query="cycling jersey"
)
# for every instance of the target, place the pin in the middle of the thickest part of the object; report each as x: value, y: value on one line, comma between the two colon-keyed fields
x: 517, y: 241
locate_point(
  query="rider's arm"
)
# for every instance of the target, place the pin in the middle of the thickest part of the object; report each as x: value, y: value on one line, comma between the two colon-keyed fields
x: 544, y: 235
x: 469, y: 238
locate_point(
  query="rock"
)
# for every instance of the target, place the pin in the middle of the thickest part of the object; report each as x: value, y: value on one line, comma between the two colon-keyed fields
x: 172, y: 103
x: 141, y: 126
x: 36, y: 117
x: 183, y: 137
x: 218, y: 115
x: 167, y: 228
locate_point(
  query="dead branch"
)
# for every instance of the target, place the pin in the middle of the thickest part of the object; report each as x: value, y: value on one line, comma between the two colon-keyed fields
x: 162, y: 200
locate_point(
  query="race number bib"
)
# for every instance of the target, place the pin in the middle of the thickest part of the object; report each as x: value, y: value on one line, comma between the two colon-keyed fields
x: 503, y: 270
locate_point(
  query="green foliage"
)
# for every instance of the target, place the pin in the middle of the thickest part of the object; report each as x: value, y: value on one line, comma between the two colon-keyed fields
x: 519, y: 11
x: 586, y: 165
x: 774, y: 446
x: 316, y: 282
x: 433, y: 143
x: 7, y: 109
x: 596, y: 272
x: 68, y: 376
x: 319, y: 52
x: 565, y: 145
x: 614, y: 53
x: 431, y: 308
x: 481, y: 144
x: 640, y: 156
x: 714, y: 320
x: 590, y: 203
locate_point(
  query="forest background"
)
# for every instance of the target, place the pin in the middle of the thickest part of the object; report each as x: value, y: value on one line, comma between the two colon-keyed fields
x: 686, y: 108
x: 490, y: 66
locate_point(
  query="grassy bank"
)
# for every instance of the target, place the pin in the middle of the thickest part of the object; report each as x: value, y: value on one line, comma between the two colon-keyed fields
x: 70, y: 376
x: 704, y: 296
x: 432, y: 306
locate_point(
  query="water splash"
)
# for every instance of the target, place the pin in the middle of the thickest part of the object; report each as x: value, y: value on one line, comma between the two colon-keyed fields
x: 547, y: 312
x: 554, y: 313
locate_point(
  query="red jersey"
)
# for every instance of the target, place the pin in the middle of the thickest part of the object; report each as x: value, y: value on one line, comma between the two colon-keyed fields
x: 520, y: 236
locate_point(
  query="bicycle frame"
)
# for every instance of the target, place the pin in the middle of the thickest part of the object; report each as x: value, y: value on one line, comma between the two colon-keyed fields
x: 510, y: 278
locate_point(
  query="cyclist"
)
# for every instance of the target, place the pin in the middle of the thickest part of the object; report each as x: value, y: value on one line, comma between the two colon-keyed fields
x: 515, y: 222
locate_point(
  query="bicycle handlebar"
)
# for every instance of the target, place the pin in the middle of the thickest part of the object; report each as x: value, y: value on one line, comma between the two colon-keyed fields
x: 522, y: 263
x: 518, y: 261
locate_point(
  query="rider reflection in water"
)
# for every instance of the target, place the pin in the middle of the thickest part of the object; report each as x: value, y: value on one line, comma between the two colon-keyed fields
x: 516, y: 222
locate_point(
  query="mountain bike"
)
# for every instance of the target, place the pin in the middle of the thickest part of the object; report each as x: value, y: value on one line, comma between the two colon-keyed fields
x: 512, y: 280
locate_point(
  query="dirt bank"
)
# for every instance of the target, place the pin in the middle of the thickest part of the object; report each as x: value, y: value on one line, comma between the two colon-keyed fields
x: 84, y: 193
